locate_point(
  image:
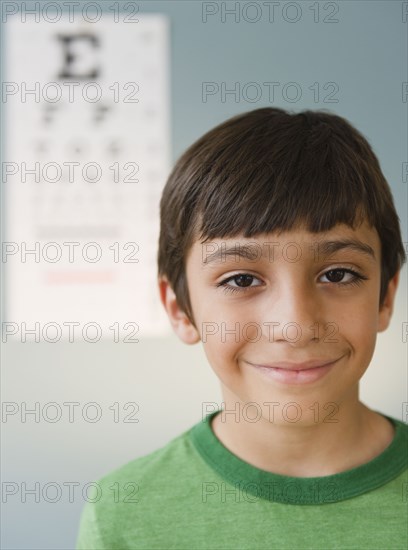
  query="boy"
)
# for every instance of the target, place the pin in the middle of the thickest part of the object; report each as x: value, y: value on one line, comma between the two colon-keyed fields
x: 280, y: 249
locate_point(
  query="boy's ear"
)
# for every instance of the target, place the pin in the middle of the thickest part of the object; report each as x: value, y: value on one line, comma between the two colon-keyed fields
x: 180, y: 322
x: 386, y: 310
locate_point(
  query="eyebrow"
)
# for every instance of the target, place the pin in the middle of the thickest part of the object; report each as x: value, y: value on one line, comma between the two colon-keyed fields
x: 327, y: 248
x: 323, y: 248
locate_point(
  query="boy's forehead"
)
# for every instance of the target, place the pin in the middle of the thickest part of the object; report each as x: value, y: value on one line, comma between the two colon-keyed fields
x: 363, y: 239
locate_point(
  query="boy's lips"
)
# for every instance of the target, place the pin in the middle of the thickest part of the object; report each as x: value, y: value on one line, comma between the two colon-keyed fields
x: 296, y: 373
x: 286, y: 365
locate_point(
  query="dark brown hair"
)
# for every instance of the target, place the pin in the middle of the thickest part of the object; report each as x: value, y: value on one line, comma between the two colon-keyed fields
x: 270, y: 170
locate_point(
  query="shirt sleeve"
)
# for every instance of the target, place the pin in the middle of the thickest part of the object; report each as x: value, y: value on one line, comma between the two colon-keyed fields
x: 89, y: 536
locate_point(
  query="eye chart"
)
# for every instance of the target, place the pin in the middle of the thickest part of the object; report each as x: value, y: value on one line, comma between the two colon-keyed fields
x: 86, y: 153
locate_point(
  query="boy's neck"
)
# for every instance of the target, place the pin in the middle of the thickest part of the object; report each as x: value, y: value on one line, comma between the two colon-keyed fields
x: 313, y: 450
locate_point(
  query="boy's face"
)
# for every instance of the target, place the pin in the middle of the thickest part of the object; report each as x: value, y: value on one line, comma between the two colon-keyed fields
x: 288, y: 302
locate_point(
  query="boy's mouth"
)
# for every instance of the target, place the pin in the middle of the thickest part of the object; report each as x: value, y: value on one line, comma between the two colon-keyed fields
x: 311, y: 364
x: 296, y: 373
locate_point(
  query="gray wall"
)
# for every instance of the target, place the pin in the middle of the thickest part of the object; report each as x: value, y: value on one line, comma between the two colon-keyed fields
x: 365, y: 55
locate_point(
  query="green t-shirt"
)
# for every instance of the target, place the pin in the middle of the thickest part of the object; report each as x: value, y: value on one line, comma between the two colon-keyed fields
x: 193, y: 493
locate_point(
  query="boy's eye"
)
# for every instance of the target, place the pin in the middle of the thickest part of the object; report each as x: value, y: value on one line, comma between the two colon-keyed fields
x: 337, y: 276
x: 243, y: 281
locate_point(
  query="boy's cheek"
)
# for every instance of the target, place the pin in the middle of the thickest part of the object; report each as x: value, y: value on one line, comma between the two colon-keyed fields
x: 222, y: 353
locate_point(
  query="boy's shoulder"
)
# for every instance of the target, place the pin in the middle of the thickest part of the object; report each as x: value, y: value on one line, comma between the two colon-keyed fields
x: 153, y: 464
x: 127, y: 501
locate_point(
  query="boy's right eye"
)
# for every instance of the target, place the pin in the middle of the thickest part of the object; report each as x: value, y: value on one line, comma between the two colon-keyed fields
x: 243, y: 282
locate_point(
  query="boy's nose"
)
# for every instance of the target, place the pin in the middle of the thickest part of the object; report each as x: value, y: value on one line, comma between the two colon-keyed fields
x: 297, y: 315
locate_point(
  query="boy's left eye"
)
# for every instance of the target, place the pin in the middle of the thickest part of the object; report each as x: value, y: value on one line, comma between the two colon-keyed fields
x: 354, y: 277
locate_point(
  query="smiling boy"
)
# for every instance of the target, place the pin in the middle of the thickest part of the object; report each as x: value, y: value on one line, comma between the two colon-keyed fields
x: 280, y: 250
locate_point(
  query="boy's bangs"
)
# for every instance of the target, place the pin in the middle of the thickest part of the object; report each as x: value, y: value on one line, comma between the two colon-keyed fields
x: 317, y: 189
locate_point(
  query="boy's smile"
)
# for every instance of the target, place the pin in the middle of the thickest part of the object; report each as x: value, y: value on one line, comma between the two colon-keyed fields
x: 271, y: 316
